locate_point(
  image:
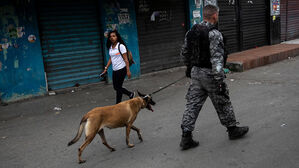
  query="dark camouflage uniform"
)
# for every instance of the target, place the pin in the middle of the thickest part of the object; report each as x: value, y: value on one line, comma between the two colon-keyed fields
x: 206, y: 82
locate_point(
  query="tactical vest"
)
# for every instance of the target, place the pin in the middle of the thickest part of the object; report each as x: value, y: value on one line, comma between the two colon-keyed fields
x: 201, y: 46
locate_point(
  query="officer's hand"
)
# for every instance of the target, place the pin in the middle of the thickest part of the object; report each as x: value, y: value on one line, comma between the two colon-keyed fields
x: 188, y: 72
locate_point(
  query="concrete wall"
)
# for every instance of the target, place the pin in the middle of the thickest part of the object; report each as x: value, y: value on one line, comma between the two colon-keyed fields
x: 21, y: 64
x: 120, y: 15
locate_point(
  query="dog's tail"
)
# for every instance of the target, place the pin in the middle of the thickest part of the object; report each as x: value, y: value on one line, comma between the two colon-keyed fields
x: 80, y: 131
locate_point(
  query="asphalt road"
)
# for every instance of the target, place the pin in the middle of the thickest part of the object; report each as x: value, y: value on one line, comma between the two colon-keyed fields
x: 33, y: 134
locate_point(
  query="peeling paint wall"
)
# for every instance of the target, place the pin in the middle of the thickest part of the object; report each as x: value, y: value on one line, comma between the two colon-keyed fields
x: 21, y: 64
x: 120, y: 15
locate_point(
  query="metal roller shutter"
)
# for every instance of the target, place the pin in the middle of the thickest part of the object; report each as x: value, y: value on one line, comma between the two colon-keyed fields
x: 283, y: 20
x: 70, y: 39
x: 292, y: 19
x: 160, y: 35
x: 253, y: 23
x: 229, y: 24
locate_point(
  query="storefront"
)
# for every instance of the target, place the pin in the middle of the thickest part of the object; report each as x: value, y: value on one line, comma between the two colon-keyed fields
x: 71, y: 42
x: 244, y: 23
x: 289, y: 19
x: 161, y: 28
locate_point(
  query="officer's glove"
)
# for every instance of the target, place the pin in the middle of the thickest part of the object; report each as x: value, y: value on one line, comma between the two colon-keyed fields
x: 188, y: 72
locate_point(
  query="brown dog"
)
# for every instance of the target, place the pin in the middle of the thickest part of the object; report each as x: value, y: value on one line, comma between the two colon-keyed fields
x: 120, y: 115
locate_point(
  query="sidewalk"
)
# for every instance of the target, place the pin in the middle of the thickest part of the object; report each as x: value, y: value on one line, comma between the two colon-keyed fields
x: 261, y: 56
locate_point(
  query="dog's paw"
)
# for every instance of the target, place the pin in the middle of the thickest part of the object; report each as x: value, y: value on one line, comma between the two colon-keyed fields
x: 131, y: 145
x: 141, y: 139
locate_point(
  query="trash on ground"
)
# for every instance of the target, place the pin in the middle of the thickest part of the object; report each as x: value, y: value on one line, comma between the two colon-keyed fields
x: 232, y: 80
x: 226, y: 71
x: 4, y: 137
x: 283, y: 125
x: 57, y: 113
x: 73, y: 91
x: 57, y: 108
x: 52, y: 93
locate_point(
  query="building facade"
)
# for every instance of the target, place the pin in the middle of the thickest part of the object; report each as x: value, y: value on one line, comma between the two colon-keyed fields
x: 55, y: 44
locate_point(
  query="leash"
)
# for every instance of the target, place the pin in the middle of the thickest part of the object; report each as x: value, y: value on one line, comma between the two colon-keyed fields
x: 168, y: 85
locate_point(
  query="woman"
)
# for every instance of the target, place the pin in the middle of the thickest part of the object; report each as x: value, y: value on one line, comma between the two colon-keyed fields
x: 120, y: 64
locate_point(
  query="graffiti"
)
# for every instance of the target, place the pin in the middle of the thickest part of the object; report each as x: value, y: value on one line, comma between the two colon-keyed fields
x: 211, y: 2
x: 161, y: 16
x: 144, y: 6
x: 123, y: 16
x: 231, y: 2
x: 31, y: 38
x: 250, y: 2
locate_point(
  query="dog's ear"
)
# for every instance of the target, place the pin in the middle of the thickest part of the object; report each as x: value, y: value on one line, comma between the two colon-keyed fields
x: 140, y: 94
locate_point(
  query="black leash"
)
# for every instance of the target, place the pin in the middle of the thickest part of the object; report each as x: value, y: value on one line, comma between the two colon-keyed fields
x: 168, y: 85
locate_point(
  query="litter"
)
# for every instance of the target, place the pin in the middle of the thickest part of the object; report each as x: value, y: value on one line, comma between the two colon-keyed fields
x: 283, y: 125
x: 57, y: 108
x: 52, y: 93
x: 232, y: 80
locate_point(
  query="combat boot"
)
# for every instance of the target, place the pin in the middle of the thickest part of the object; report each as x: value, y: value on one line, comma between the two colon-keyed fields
x: 237, y: 132
x: 187, y: 141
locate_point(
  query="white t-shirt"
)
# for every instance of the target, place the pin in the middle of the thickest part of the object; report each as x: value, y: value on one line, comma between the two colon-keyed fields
x: 116, y: 58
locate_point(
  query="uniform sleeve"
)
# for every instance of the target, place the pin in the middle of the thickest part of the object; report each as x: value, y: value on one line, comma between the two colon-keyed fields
x: 122, y: 49
x: 217, y: 54
x: 186, y: 50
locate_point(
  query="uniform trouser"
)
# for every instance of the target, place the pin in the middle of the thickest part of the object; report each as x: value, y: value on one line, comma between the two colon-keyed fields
x: 118, y: 78
x: 203, y: 85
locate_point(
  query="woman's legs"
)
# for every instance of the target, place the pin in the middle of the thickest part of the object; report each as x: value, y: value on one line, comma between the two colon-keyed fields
x: 118, y: 78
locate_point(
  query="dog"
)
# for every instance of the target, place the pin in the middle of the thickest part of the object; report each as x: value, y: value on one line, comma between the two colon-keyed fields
x: 122, y: 114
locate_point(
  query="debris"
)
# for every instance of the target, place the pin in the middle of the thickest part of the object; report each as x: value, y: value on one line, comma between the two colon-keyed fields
x: 87, y: 93
x: 73, y: 91
x: 4, y: 137
x: 232, y: 80
x: 57, y: 108
x: 57, y: 113
x: 52, y: 93
x: 283, y: 125
x: 226, y: 71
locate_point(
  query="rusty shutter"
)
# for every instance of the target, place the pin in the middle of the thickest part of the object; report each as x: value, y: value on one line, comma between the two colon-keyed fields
x: 161, y: 30
x: 70, y: 39
x: 253, y: 23
x: 229, y: 24
x: 290, y: 21
x: 283, y: 20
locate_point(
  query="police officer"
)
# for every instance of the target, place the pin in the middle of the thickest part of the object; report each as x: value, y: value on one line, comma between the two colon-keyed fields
x: 205, y: 56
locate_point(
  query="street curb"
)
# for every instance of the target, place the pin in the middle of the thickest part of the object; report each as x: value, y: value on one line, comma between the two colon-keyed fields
x: 257, y: 57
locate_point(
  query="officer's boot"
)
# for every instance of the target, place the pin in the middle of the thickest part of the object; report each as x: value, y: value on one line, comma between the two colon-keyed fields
x: 187, y: 141
x: 236, y: 132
